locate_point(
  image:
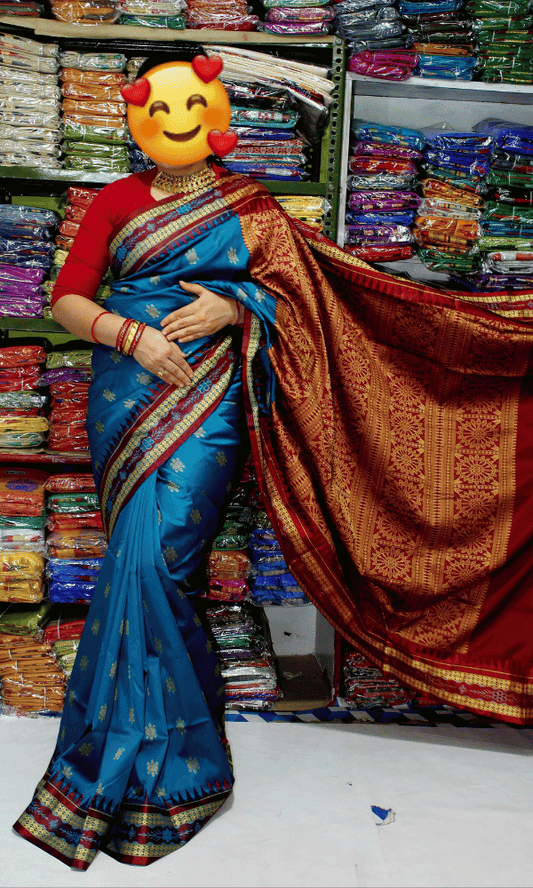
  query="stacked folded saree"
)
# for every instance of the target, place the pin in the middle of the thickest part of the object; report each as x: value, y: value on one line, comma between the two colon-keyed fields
x: 69, y: 388
x: 296, y: 17
x: 22, y: 559
x: 32, y: 680
x: 447, y: 227
x: 383, y: 164
x: 95, y: 133
x: 152, y: 13
x: 441, y: 36
x: 29, y: 103
x: 26, y: 255
x: 369, y: 25
x: 365, y: 686
x: 506, y: 242
x: 71, y: 512
x: 225, y: 15
x: 504, y: 39
x: 244, y: 648
x: 23, y: 425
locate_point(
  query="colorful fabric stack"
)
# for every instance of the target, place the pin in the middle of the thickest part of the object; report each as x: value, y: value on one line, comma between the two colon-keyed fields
x: 506, y: 242
x: 62, y: 630
x: 265, y: 118
x: 297, y: 17
x: 309, y: 209
x: 309, y: 86
x: 441, y: 35
x: 503, y: 35
x: 385, y: 64
x: 447, y: 228
x: 77, y: 198
x: 225, y: 15
x: 68, y: 376
x: 94, y: 113
x: 26, y: 255
x: 382, y: 200
x: 242, y: 642
x: 78, y: 201
x: 29, y: 103
x: 229, y: 563
x: 32, y: 680
x: 22, y: 534
x: 364, y: 686
x: 271, y: 582
x: 153, y: 13
x: 369, y: 26
x: 73, y: 507
x: 23, y: 425
x: 85, y: 12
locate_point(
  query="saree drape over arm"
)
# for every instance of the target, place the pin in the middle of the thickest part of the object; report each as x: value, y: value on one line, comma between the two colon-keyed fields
x: 391, y: 430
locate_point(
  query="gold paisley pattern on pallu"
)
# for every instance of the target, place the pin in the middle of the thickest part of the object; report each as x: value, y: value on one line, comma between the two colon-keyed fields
x: 389, y: 462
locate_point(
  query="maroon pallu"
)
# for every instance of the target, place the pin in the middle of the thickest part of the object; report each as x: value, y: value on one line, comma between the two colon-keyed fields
x: 397, y: 465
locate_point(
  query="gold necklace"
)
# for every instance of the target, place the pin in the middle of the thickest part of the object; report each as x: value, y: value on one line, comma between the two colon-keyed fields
x: 197, y: 182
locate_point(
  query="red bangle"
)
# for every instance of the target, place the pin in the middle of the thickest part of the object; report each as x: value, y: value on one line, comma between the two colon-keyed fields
x: 122, y: 333
x: 136, y: 338
x: 105, y: 312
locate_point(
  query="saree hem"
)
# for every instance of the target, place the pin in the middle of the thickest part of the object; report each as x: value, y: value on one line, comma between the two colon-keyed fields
x: 137, y: 833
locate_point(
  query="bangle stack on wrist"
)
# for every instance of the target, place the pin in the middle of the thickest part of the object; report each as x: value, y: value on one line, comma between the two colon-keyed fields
x: 128, y: 336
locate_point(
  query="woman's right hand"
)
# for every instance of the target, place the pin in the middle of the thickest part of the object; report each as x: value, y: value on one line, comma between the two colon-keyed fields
x: 163, y: 358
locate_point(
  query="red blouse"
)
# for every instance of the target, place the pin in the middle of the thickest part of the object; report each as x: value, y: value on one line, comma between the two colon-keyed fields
x: 88, y: 258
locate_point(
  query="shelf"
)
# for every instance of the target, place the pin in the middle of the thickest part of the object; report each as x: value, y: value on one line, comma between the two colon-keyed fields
x: 43, y: 27
x: 429, y: 87
x: 420, y: 102
x: 35, y: 325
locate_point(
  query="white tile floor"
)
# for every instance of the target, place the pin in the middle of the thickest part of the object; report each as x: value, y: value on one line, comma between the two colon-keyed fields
x: 301, y: 814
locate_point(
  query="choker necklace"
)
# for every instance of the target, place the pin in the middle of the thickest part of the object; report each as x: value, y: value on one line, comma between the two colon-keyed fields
x: 197, y: 182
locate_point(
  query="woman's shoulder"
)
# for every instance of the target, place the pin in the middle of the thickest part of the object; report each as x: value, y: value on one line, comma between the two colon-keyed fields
x: 128, y: 186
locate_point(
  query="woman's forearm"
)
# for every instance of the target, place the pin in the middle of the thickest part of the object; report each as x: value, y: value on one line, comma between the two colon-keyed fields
x: 77, y: 315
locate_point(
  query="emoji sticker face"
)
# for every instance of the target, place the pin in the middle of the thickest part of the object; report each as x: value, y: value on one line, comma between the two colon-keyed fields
x: 179, y: 112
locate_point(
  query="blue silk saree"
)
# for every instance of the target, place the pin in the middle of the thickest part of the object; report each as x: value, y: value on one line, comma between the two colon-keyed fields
x: 142, y: 760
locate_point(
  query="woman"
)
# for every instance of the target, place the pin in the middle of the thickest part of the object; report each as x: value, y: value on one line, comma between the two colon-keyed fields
x: 143, y: 725
x: 389, y: 426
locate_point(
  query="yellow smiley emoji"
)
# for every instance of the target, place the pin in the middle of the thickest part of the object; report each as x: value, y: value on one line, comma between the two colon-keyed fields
x: 179, y: 112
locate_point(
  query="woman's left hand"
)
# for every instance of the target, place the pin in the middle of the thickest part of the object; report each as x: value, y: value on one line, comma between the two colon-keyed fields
x: 203, y: 317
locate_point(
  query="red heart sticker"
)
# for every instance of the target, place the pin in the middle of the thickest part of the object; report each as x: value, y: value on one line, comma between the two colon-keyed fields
x: 222, y: 143
x: 136, y: 93
x: 207, y: 68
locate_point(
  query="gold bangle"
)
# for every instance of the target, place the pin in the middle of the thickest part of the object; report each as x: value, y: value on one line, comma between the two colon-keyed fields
x: 130, y: 336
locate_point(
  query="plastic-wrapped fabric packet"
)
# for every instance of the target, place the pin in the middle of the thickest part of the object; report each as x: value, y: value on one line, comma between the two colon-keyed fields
x: 24, y: 621
x: 291, y: 28
x: 450, y: 67
x: 389, y: 64
x: 507, y: 135
x: 174, y: 22
x: 380, y: 182
x: 309, y: 13
x: 89, y: 129
x: 84, y: 12
x: 382, y: 201
x: 22, y: 539
x: 369, y: 131
x: 93, y: 61
x: 72, y: 501
x: 27, y: 61
x: 86, y: 543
